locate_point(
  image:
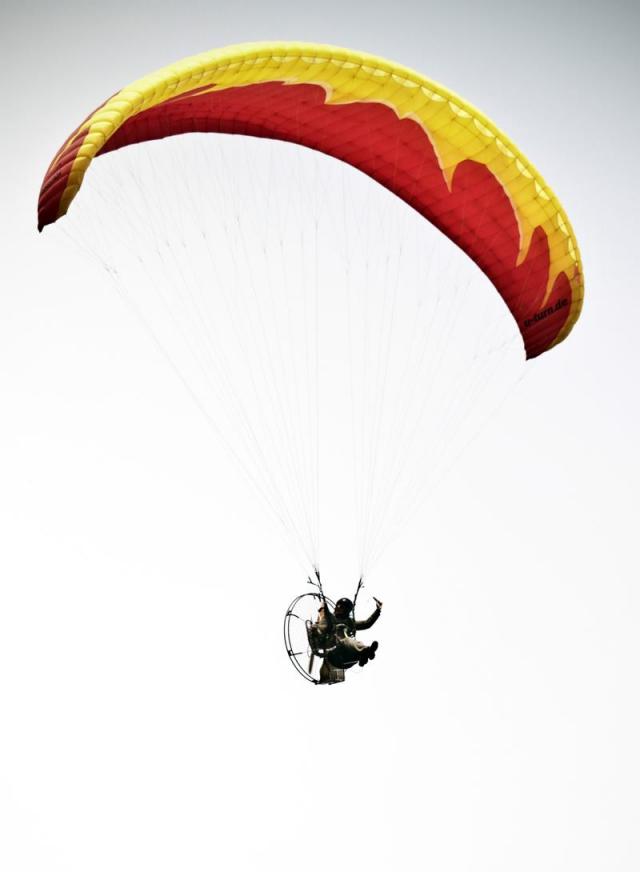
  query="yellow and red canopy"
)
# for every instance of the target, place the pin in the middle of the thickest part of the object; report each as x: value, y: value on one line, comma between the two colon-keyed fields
x: 427, y: 145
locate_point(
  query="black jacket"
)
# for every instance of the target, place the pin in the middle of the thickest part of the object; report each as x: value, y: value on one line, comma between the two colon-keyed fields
x: 346, y: 625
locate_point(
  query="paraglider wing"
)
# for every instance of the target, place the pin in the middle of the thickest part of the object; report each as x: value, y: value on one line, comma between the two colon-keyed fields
x: 428, y: 146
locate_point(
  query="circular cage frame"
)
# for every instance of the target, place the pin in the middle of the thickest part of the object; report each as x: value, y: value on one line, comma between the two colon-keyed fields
x: 296, y: 656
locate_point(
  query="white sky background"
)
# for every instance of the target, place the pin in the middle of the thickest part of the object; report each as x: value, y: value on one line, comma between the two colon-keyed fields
x: 148, y: 716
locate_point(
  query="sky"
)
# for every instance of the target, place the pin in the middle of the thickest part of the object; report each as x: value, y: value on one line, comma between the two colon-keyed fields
x: 148, y: 715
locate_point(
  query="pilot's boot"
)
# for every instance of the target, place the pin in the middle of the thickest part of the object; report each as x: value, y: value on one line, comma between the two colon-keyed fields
x: 368, y: 654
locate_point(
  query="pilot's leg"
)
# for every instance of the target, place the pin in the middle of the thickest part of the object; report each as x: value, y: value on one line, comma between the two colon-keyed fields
x: 348, y: 651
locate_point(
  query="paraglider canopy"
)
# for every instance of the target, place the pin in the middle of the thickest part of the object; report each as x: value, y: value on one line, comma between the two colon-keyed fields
x: 424, y: 143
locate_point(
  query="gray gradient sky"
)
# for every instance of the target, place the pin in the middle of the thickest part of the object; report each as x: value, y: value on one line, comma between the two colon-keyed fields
x: 499, y: 730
